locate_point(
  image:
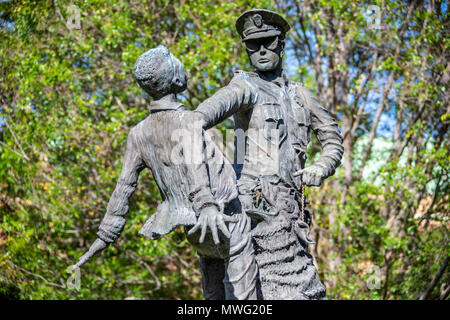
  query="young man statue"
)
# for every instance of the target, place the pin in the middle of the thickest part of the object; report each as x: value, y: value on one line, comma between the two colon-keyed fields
x: 197, y: 184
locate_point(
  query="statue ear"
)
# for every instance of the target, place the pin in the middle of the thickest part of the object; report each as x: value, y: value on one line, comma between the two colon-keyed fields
x: 177, y: 82
x: 282, y: 44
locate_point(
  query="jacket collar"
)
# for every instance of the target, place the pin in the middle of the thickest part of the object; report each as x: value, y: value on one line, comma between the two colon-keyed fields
x: 158, y: 105
x: 280, y: 81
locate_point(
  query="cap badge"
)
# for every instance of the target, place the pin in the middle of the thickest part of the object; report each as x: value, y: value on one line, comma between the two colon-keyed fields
x: 257, y: 19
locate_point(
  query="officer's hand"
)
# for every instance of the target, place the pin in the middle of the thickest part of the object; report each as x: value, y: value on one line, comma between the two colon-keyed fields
x: 211, y: 217
x: 311, y: 176
x: 97, y: 246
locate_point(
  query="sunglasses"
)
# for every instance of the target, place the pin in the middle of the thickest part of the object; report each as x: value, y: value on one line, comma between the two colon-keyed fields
x: 268, y: 43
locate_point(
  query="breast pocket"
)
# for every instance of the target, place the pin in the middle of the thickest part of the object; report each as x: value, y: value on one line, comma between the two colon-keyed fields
x: 274, y: 126
x: 302, y: 121
x: 301, y: 115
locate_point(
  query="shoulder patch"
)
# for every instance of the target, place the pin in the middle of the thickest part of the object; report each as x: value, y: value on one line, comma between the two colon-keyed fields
x: 245, y: 73
x: 301, y: 94
x: 295, y: 84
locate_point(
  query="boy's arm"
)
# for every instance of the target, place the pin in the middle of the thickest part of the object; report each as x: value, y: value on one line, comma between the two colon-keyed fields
x: 114, y: 220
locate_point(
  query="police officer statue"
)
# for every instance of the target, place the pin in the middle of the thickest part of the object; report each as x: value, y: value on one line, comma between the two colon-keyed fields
x: 273, y: 117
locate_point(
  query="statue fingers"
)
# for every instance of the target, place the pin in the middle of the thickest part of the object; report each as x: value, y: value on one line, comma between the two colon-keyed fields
x: 223, y: 228
x: 319, y: 177
x: 213, y: 227
x: 203, y: 234
x: 195, y: 228
x: 316, y: 180
x: 298, y: 173
x: 307, y: 179
x: 319, y: 183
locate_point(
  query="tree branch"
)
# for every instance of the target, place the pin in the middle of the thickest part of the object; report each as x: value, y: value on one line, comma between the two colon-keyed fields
x: 435, y: 280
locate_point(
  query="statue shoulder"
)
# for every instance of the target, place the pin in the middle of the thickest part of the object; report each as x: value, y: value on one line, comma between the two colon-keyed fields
x: 302, y: 94
x: 136, y: 131
x: 244, y: 75
x: 140, y: 129
x: 299, y: 88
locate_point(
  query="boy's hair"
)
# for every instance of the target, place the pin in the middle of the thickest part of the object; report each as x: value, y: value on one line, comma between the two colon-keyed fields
x: 159, y: 72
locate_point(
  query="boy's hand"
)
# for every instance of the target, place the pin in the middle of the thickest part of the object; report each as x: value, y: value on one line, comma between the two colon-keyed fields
x: 211, y: 217
x: 97, y: 246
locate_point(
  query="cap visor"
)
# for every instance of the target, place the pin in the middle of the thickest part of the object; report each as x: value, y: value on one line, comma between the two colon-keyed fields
x: 262, y: 34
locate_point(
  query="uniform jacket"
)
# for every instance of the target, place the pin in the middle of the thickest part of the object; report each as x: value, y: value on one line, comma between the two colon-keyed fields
x: 276, y: 118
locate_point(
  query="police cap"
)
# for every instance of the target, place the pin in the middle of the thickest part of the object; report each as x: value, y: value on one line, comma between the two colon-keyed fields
x: 261, y: 23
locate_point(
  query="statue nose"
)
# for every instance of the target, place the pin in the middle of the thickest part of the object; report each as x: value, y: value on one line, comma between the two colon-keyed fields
x: 262, y: 50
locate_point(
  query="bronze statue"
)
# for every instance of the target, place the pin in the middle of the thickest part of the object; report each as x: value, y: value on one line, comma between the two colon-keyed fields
x: 197, y: 184
x: 276, y: 116
x: 254, y: 209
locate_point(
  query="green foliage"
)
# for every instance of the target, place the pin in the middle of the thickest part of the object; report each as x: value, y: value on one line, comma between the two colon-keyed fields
x: 384, y: 215
x: 68, y: 101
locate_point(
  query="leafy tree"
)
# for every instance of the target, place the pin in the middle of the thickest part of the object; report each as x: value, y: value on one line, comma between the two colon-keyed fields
x: 68, y: 100
x: 382, y: 68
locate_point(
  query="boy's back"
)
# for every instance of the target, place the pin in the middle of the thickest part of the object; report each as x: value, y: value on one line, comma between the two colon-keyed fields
x: 197, y: 184
x: 184, y: 164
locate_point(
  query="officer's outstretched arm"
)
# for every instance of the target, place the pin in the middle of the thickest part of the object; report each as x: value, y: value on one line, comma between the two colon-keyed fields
x: 234, y: 97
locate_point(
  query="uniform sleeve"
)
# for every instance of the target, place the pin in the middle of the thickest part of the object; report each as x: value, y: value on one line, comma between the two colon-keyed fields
x: 197, y: 175
x: 327, y: 132
x: 114, y: 220
x: 238, y: 95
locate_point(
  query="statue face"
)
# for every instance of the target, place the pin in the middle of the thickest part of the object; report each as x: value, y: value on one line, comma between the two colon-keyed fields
x: 265, y: 53
x: 179, y: 80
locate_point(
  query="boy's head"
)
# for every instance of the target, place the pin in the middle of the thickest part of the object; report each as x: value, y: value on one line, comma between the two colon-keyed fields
x: 159, y: 73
